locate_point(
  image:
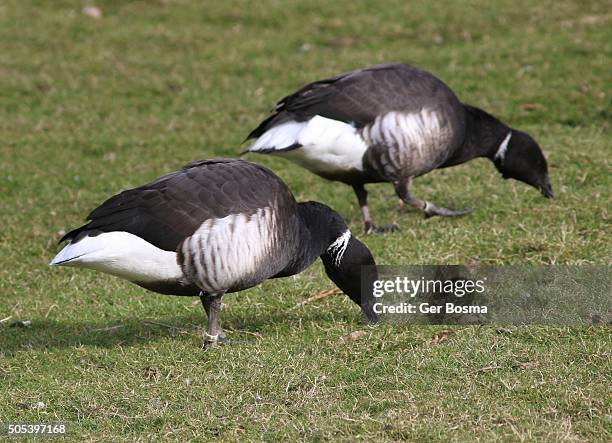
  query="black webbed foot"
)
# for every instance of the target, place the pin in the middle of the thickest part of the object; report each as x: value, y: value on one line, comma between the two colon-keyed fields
x: 385, y: 229
x: 432, y: 210
x: 211, y: 341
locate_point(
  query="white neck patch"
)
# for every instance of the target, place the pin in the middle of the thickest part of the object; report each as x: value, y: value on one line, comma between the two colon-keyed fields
x: 503, y: 147
x: 338, y: 247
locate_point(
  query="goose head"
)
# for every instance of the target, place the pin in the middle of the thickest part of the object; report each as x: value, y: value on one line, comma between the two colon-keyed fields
x: 520, y: 157
x: 348, y: 262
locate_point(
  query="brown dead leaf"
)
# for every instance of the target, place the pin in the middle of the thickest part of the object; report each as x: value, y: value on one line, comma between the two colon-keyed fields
x: 343, y: 42
x: 488, y: 368
x: 532, y: 106
x: 440, y: 337
x: 525, y: 365
x: 351, y: 337
x: 319, y: 295
x: 151, y: 373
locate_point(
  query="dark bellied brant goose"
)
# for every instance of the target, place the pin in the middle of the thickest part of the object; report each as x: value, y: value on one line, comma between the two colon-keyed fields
x: 217, y: 226
x: 390, y: 123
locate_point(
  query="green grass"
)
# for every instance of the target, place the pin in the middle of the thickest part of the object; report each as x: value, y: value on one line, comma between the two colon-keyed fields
x: 89, y: 107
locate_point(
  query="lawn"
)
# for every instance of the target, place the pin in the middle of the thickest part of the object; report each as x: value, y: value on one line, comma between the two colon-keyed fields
x: 90, y: 106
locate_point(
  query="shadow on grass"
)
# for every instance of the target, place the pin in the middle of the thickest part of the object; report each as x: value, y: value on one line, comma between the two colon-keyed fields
x: 54, y: 334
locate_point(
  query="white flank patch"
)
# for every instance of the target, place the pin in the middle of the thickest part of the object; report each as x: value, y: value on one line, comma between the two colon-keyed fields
x: 328, y: 145
x: 503, y: 148
x: 228, y: 249
x: 414, y: 132
x: 338, y: 247
x: 121, y: 254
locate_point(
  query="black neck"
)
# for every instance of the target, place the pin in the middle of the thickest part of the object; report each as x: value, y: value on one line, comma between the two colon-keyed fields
x: 483, y: 136
x: 484, y: 133
x: 319, y: 227
x: 322, y: 227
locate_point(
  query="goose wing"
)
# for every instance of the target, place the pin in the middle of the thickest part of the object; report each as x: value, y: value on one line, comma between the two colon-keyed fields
x: 174, y: 206
x: 359, y: 96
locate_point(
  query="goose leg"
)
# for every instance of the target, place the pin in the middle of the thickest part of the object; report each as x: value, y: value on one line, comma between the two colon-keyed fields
x: 428, y: 208
x: 212, y: 305
x: 368, y: 224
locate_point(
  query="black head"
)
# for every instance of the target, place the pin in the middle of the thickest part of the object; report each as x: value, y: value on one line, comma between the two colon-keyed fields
x: 348, y: 262
x: 325, y: 224
x: 522, y: 159
x: 350, y: 265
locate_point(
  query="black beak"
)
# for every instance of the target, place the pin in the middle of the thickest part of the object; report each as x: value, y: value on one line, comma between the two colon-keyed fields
x: 546, y: 190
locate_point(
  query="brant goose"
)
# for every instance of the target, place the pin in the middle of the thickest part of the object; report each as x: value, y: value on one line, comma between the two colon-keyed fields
x: 391, y: 123
x: 217, y: 226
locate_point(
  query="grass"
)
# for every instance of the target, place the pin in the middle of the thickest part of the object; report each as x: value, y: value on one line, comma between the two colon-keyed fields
x: 93, y: 106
